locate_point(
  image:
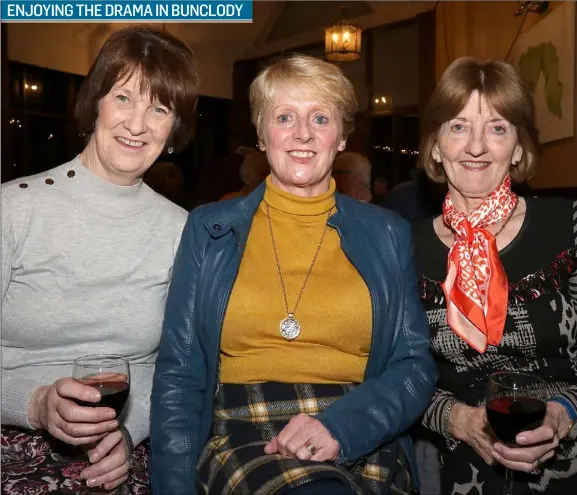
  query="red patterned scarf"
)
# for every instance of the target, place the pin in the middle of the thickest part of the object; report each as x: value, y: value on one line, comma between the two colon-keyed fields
x: 476, y: 283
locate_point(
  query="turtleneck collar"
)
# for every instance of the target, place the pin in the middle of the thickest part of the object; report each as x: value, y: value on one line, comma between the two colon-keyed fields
x: 283, y: 201
x: 81, y: 182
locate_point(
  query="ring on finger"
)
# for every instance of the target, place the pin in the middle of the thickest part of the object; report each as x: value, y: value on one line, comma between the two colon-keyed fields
x: 311, y: 448
x: 537, y: 469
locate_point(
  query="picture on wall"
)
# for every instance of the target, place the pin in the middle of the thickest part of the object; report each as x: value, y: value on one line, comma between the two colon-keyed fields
x: 545, y: 58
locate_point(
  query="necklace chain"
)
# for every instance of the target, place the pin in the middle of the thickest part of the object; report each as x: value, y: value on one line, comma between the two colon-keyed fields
x: 278, y: 262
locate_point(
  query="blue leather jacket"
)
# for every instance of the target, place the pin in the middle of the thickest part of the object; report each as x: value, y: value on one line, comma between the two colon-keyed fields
x: 400, y: 375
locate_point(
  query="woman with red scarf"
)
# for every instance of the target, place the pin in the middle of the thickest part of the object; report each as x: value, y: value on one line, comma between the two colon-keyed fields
x: 499, y: 283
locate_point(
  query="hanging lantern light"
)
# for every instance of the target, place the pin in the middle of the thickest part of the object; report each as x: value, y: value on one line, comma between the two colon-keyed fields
x: 343, y: 41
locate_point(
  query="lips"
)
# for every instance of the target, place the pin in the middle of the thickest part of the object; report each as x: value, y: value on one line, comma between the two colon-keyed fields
x: 475, y: 165
x: 131, y: 143
x: 302, y: 154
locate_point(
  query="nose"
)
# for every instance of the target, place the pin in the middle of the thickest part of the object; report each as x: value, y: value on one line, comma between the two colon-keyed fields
x: 476, y: 145
x: 135, y: 121
x: 302, y: 130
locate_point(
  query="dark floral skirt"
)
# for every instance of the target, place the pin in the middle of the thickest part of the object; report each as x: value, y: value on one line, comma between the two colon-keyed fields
x: 35, y: 463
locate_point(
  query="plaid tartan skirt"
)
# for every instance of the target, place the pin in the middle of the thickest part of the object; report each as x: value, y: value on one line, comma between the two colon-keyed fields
x: 246, y: 417
x: 35, y: 463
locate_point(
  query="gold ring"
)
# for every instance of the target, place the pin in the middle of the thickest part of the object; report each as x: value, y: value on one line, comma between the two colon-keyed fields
x: 312, y: 449
x: 538, y: 469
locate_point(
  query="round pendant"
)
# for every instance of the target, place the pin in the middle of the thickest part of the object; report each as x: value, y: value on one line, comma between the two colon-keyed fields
x: 290, y: 328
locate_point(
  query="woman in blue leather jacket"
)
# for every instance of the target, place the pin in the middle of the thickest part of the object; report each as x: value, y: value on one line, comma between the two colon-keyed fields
x: 295, y: 351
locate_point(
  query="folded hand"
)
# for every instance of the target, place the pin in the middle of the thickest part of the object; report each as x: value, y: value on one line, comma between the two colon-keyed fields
x: 302, y: 431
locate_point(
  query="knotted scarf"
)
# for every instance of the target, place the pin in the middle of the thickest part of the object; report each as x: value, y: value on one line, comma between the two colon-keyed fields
x: 476, y: 284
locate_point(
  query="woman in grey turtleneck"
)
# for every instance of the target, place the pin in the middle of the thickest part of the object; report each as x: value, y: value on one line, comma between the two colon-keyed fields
x: 87, y: 254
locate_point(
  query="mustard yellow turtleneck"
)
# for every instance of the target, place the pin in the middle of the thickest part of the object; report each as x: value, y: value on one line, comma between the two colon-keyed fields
x: 334, y: 310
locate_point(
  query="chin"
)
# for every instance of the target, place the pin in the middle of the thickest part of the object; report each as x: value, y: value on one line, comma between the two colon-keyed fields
x: 477, y: 189
x: 303, y: 179
x: 479, y: 192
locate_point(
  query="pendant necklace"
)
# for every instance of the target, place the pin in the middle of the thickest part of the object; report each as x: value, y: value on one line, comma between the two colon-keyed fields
x: 290, y: 327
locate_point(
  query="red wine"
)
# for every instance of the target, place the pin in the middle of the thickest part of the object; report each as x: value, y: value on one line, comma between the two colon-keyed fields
x: 509, y: 416
x: 114, y: 395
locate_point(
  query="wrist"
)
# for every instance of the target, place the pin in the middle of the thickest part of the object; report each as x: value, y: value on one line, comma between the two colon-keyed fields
x: 560, y: 417
x: 127, y: 439
x: 36, y: 405
x: 458, y: 412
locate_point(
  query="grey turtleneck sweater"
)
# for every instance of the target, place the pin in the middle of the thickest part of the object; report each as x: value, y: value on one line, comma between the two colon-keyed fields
x: 85, y: 269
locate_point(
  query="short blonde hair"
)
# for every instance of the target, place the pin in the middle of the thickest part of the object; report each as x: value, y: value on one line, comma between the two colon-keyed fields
x: 304, y: 75
x: 504, y: 91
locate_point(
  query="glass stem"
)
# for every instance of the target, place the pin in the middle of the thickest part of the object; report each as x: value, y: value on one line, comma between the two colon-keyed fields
x: 509, y: 482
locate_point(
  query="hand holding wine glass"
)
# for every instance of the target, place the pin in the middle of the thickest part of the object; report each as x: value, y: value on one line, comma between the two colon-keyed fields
x: 54, y: 409
x: 535, y: 446
x: 109, y: 375
x: 515, y: 403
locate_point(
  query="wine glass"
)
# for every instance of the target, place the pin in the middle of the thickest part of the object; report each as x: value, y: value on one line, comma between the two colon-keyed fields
x: 515, y: 402
x: 107, y: 373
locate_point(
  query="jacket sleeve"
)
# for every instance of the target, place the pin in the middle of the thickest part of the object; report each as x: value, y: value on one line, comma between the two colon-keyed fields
x: 180, y: 377
x: 389, y: 404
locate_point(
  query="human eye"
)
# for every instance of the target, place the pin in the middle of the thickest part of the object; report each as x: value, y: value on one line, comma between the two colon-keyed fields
x: 457, y: 127
x: 122, y: 98
x: 320, y: 120
x: 283, y: 118
x: 161, y: 110
x: 500, y: 129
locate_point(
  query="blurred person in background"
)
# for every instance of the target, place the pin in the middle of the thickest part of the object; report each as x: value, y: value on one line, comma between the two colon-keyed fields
x: 352, y: 174
x: 253, y: 170
x: 380, y: 190
x: 166, y: 179
x: 416, y: 199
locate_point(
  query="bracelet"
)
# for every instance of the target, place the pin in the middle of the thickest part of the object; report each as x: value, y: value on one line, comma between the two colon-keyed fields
x: 446, y: 416
x: 127, y: 438
x: 450, y: 441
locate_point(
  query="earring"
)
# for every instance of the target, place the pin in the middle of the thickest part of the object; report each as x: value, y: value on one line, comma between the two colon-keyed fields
x: 170, y: 149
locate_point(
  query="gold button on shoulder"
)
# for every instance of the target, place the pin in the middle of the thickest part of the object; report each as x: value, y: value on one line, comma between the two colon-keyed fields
x: 71, y: 173
x: 49, y: 181
x: 23, y: 185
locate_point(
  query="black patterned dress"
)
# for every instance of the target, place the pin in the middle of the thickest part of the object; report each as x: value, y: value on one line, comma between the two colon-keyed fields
x: 540, y: 337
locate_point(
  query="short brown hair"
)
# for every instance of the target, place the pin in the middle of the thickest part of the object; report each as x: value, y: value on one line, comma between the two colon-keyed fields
x: 504, y: 91
x: 307, y: 76
x: 167, y: 69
